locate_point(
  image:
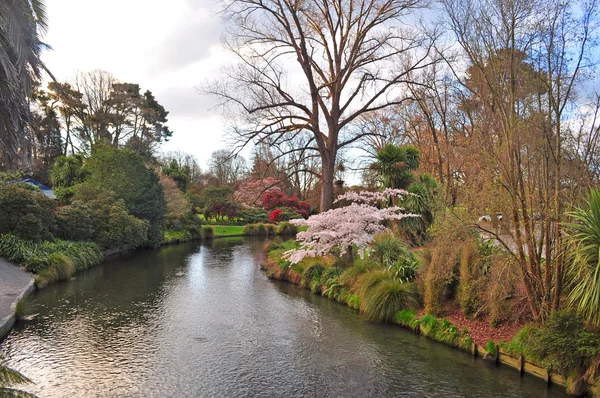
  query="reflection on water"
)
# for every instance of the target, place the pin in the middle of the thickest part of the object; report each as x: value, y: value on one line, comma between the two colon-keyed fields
x: 194, y: 320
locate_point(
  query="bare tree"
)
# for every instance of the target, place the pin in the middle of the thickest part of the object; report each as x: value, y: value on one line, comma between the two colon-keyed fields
x: 226, y: 168
x: 525, y: 58
x: 317, y: 65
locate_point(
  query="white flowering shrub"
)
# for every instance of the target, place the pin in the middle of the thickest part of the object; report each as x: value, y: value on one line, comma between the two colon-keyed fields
x: 347, y: 226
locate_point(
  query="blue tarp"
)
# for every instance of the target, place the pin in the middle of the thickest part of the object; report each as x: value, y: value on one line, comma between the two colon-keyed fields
x: 45, y: 190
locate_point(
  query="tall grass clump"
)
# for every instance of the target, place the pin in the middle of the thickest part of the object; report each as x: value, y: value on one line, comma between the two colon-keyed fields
x: 271, y: 229
x: 208, y: 231
x: 387, y: 298
x: 52, y: 261
x: 467, y: 290
x: 286, y: 228
x: 311, y: 277
x: 251, y: 230
x: 261, y: 229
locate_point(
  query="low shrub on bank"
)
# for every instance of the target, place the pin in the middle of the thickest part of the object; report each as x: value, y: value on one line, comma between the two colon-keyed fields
x: 52, y: 261
x: 407, y: 318
x: 562, y: 345
x: 177, y: 236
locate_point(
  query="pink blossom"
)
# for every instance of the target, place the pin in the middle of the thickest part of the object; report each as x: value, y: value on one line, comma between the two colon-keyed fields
x: 344, y: 227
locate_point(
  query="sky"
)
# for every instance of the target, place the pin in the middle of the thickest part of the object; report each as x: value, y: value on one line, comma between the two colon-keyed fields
x: 168, y: 47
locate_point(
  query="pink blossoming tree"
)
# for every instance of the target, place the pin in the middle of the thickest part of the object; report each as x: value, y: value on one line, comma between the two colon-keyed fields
x: 347, y: 226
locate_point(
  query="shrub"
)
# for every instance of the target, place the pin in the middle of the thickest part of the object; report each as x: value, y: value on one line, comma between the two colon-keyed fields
x: 331, y: 285
x: 177, y: 236
x: 75, y: 222
x: 274, y: 215
x: 353, y: 301
x: 124, y: 172
x: 208, y: 231
x: 123, y: 230
x: 254, y: 215
x: 285, y: 228
x: 387, y: 298
x: 26, y: 213
x: 114, y: 227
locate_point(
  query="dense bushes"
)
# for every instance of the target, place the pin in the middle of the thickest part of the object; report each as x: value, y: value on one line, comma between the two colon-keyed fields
x: 26, y: 213
x: 113, y: 226
x: 254, y: 216
x: 75, y: 222
x: 177, y: 236
x: 54, y: 261
x: 124, y: 172
x: 562, y: 345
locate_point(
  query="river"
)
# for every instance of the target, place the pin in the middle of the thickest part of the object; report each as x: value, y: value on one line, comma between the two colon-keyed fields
x: 202, y: 320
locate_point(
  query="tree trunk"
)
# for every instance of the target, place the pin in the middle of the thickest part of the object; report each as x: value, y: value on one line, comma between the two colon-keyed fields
x: 327, y: 183
x: 350, y: 255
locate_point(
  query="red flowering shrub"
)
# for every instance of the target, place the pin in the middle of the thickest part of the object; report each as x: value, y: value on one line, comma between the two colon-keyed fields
x: 277, y: 199
x: 274, y: 216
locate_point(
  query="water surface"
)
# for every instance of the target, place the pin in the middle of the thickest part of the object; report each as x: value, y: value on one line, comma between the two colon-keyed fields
x: 195, y: 320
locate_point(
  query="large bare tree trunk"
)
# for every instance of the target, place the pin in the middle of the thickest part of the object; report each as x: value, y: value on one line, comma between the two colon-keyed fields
x: 327, y: 182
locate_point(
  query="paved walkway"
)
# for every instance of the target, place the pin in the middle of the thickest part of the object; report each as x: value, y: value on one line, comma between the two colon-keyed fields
x: 14, y: 282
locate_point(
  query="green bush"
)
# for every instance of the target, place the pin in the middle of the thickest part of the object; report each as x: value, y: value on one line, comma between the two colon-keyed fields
x: 285, y: 228
x: 353, y: 301
x: 491, y: 347
x: 288, y: 214
x: 124, y: 172
x: 394, y: 254
x: 254, y: 216
x: 75, y: 222
x: 114, y: 227
x: 177, y: 236
x: 123, y: 230
x: 26, y: 213
x: 208, y: 231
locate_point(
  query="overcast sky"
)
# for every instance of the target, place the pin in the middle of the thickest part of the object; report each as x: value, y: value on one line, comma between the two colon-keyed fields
x: 167, y: 47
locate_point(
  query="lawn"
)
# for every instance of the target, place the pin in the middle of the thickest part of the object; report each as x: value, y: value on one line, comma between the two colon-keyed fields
x: 228, y: 230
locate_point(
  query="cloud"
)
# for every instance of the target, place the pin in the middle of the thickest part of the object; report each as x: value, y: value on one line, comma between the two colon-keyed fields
x: 186, y: 102
x: 190, y: 41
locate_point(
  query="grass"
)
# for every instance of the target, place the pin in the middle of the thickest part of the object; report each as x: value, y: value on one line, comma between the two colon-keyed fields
x: 228, y: 230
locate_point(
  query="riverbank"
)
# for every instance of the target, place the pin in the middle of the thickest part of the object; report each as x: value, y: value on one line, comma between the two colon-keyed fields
x: 15, y: 284
x: 347, y: 285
